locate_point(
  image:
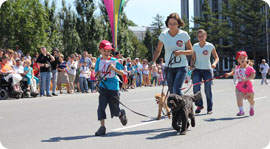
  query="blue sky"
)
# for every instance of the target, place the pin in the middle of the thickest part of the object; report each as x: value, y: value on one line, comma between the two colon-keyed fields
x: 141, y: 12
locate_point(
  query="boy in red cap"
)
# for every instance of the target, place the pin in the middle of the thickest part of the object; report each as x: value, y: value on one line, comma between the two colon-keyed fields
x: 107, y: 67
x: 244, y: 87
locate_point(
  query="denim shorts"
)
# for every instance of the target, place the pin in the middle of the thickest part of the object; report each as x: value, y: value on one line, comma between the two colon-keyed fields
x: 108, y: 97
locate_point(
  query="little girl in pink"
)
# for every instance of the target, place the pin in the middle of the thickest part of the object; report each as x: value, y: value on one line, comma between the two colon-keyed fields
x: 244, y: 88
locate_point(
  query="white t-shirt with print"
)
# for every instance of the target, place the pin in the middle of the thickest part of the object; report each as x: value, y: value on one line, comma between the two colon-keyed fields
x: 203, y: 55
x: 178, y: 42
x: 264, y: 68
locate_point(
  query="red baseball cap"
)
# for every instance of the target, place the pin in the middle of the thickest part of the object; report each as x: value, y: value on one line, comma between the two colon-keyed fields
x: 241, y: 53
x: 106, y: 45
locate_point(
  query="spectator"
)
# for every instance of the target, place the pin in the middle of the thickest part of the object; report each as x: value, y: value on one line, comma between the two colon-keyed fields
x: 72, y: 66
x: 264, y: 69
x: 18, y: 68
x: 92, y: 79
x: 18, y: 50
x: 54, y: 65
x: 1, y: 52
x: 27, y: 56
x: 145, y: 71
x: 11, y: 59
x: 62, y: 74
x: 36, y: 67
x: 7, y: 69
x: 84, y: 73
x: 77, y: 78
x: 31, y: 79
x: 44, y: 60
x: 86, y: 59
x: 154, y: 74
x: 139, y: 72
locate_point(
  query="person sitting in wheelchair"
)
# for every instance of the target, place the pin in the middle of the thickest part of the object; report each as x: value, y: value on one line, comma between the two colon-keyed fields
x: 9, y: 73
x: 32, y: 81
x: 18, y: 68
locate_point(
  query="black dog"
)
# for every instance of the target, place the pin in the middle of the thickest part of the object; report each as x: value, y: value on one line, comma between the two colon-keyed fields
x: 182, y: 109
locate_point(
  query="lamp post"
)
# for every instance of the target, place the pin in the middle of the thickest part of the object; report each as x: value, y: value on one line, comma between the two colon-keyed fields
x: 267, y: 38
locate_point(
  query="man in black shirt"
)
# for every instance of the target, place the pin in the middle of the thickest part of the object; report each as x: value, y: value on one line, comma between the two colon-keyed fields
x: 44, y: 60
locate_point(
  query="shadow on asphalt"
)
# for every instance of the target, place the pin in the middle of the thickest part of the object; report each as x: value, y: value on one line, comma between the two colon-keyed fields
x: 164, y: 133
x: 58, y: 139
x: 224, y: 119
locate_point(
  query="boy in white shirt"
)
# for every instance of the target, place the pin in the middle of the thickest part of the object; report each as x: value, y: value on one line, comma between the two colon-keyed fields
x: 85, y: 73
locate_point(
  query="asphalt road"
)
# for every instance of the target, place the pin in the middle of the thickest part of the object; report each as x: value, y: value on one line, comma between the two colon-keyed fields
x: 70, y: 121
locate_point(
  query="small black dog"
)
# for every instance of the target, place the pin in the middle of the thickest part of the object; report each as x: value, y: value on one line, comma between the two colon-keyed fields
x: 182, y: 109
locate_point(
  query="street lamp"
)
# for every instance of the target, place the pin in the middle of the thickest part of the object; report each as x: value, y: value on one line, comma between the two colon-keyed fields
x: 266, y: 29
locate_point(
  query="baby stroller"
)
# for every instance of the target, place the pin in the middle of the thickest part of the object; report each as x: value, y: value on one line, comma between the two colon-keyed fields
x: 7, y: 90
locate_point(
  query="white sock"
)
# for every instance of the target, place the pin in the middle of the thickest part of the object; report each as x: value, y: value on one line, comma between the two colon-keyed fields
x: 241, y: 108
x: 251, y: 106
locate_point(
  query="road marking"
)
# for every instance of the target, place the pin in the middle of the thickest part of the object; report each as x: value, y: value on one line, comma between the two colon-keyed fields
x: 137, y: 125
x: 261, y: 98
x: 218, y: 91
x: 142, y: 99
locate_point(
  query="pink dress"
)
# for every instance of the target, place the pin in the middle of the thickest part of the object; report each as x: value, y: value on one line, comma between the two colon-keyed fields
x: 244, y: 86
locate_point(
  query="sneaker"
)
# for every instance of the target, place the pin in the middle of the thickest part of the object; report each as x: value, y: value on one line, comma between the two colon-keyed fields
x: 123, y: 117
x: 198, y: 110
x: 251, y: 112
x: 49, y: 95
x: 240, y: 113
x: 54, y: 94
x: 101, y: 131
x: 209, y: 112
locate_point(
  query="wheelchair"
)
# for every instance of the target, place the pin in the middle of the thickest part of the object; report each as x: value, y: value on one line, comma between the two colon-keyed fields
x: 7, y: 90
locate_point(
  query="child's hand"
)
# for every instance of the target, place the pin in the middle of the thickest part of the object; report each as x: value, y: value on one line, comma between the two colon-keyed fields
x: 227, y: 75
x: 244, y: 79
x: 112, y: 67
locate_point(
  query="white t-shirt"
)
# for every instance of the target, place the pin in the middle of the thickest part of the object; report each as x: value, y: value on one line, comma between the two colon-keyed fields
x: 203, y: 55
x: 18, y: 69
x: 85, y: 72
x: 72, y: 67
x: 178, y: 42
x: 264, y: 68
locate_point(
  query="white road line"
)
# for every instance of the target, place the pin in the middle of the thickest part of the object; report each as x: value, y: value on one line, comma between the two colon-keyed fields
x: 142, y: 99
x: 218, y: 91
x: 137, y: 125
x: 261, y: 98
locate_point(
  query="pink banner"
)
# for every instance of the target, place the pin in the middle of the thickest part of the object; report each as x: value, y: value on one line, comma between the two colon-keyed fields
x: 110, y: 10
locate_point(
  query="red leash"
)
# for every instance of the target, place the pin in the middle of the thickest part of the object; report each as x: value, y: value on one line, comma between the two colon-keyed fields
x: 218, y: 77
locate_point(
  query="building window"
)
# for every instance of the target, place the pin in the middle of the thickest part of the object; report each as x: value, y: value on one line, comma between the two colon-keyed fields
x: 226, y: 64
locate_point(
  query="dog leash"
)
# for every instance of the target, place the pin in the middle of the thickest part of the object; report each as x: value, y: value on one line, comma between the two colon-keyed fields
x: 101, y: 79
x: 199, y: 83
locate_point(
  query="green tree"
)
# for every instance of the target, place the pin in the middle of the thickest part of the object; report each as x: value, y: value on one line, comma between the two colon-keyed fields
x: 86, y: 25
x: 247, y: 26
x: 158, y: 26
x: 26, y: 26
x: 148, y: 42
x: 54, y: 37
x: 71, y: 38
